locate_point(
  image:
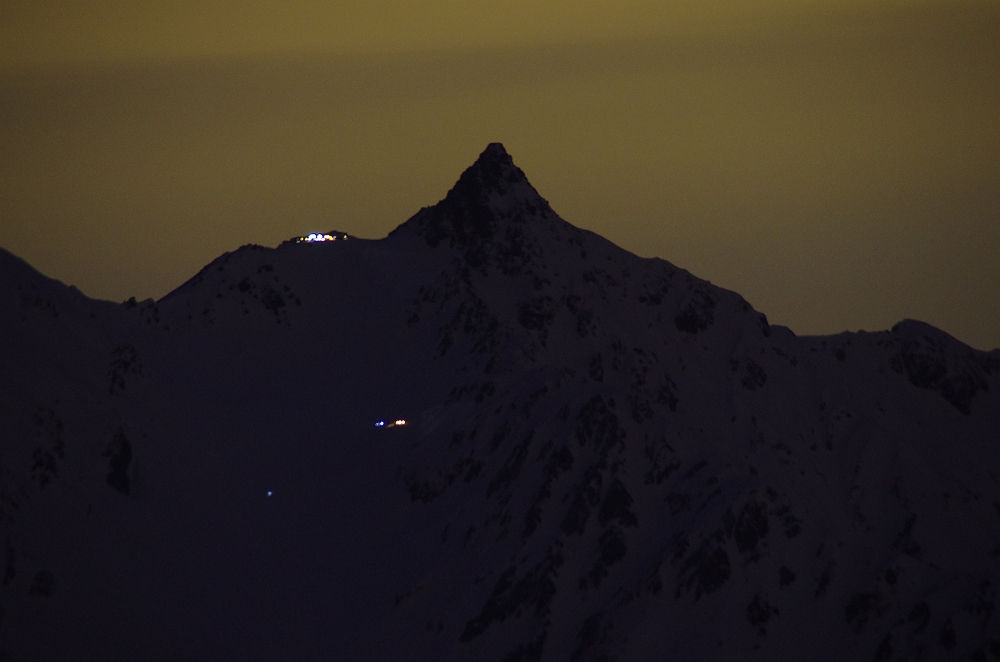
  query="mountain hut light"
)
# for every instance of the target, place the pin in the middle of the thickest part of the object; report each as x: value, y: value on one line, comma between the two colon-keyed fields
x: 316, y: 237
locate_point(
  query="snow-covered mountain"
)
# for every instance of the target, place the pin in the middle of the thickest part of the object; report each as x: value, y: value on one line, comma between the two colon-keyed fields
x: 603, y: 458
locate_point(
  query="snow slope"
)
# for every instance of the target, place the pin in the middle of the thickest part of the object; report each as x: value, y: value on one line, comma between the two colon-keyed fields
x: 605, y: 458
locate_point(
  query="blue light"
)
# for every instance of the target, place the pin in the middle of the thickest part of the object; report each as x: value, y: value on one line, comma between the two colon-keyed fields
x: 269, y: 493
x: 380, y: 424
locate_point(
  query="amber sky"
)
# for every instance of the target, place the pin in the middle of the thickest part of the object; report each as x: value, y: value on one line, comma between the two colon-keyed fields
x: 837, y: 162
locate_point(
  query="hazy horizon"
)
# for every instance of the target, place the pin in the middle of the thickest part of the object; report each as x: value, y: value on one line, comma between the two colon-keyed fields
x: 836, y: 165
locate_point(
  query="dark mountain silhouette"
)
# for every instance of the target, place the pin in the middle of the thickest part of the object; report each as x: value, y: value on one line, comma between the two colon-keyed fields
x: 598, y: 457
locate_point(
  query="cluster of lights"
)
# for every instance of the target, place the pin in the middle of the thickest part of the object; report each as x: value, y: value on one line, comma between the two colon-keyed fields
x: 317, y: 237
x: 391, y: 424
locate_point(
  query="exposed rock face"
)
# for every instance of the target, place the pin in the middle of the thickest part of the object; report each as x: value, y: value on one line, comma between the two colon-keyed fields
x: 604, y: 458
x: 490, y: 217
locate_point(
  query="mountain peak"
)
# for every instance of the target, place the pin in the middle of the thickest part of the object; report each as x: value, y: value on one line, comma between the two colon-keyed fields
x: 486, y: 211
x: 488, y: 181
x: 494, y: 166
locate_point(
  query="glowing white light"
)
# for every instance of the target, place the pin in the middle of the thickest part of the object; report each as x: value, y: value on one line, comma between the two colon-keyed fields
x: 269, y: 493
x: 314, y: 237
x: 380, y: 424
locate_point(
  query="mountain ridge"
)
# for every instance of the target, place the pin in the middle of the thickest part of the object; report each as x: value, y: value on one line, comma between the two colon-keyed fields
x: 604, y: 457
